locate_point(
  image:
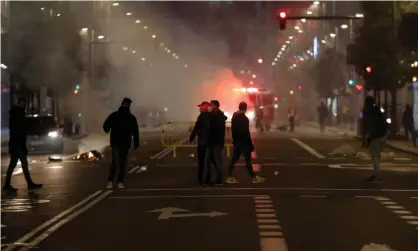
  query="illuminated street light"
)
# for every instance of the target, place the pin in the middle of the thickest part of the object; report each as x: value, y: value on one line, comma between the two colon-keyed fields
x: 254, y: 76
x: 185, y: 66
x: 291, y: 37
x: 316, y: 2
x: 294, y: 65
x: 309, y: 12
x: 168, y: 51
x: 176, y: 57
x: 125, y: 48
x: 58, y: 14
x: 291, y: 92
x: 308, y: 51
x: 359, y: 15
x: 133, y: 52
x: 276, y: 59
x: 283, y: 49
x: 115, y: 4
x: 100, y: 37
x: 332, y: 35
x: 303, y: 20
x: 154, y: 36
x: 128, y: 13
x: 137, y: 21
x: 287, y: 42
x: 84, y: 29
x: 300, y: 31
x: 273, y: 63
x: 145, y: 27
x: 323, y: 41
x: 42, y: 8
x: 260, y: 60
x: 284, y: 46
x: 143, y: 59
x: 344, y: 26
x: 297, y: 28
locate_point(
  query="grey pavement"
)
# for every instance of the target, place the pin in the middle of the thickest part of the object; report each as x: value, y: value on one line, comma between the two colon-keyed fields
x: 311, y: 200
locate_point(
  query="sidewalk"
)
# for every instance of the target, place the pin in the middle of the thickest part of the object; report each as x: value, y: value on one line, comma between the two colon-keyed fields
x: 403, y: 145
x: 346, y: 130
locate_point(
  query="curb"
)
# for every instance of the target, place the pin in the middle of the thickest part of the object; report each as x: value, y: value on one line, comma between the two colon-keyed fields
x: 401, y: 149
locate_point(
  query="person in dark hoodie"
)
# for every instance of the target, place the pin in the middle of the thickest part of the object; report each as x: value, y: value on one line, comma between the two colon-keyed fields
x: 122, y: 126
x: 375, y: 129
x: 201, y: 130
x: 17, y: 146
x: 216, y: 142
x: 243, y: 144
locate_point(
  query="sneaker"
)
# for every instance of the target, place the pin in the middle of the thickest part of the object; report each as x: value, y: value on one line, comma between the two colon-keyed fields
x: 35, y: 186
x: 258, y: 179
x: 374, y: 179
x: 109, y: 185
x: 9, y: 188
x: 232, y: 180
x: 120, y: 185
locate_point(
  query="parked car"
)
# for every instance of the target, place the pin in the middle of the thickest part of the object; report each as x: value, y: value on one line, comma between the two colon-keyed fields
x: 44, y: 134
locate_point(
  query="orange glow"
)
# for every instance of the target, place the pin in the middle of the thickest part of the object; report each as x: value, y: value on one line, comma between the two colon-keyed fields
x: 282, y: 14
x: 369, y: 69
x: 75, y: 91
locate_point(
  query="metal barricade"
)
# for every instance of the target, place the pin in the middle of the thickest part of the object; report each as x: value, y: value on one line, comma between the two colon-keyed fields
x: 176, y: 135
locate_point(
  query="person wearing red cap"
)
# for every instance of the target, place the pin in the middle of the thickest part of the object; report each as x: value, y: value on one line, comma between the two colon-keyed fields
x: 200, y: 130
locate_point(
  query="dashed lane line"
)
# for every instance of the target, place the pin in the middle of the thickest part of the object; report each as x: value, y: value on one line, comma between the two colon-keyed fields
x: 309, y: 189
x: 271, y: 235
x: 308, y: 148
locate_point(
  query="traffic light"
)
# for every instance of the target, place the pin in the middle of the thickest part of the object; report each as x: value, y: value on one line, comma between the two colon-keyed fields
x: 75, y: 91
x: 282, y: 20
x: 260, y: 60
x: 359, y: 87
x: 79, y: 114
x: 276, y: 106
x: 283, y: 99
x: 291, y: 92
x: 369, y: 69
x: 77, y: 87
x: 351, y: 82
x: 300, y: 87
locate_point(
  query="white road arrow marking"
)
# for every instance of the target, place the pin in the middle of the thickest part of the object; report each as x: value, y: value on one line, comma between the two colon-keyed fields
x: 168, y: 213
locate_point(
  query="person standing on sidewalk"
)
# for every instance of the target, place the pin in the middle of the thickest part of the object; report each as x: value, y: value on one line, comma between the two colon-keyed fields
x: 322, y: 114
x: 375, y: 129
x: 243, y: 144
x: 122, y: 126
x: 201, y: 129
x: 216, y: 142
x: 408, y: 124
x: 17, y: 146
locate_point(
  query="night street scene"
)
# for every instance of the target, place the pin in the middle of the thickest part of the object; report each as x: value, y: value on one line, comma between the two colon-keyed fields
x: 209, y: 125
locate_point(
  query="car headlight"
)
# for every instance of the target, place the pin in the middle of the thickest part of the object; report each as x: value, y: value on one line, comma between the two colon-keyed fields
x: 53, y: 134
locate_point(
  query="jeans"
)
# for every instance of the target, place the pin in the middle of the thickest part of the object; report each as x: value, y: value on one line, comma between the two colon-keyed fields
x: 201, y: 155
x: 246, y: 152
x: 376, y: 147
x: 18, y: 153
x: 119, y: 158
x: 214, y: 153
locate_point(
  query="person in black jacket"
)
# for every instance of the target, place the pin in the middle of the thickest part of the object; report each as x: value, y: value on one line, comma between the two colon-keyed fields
x: 243, y: 144
x: 201, y: 129
x: 17, y: 146
x: 216, y: 142
x: 375, y: 131
x: 122, y: 126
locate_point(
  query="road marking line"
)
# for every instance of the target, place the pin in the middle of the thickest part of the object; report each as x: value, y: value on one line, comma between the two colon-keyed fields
x: 266, y: 215
x: 413, y: 198
x: 134, y: 169
x: 72, y: 216
x: 406, y: 159
x: 262, y: 201
x: 413, y: 222
x: 313, y: 196
x: 269, y: 189
x: 262, y: 205
x: 365, y: 196
x: 334, y: 166
x: 56, y: 218
x: 382, y: 198
x: 409, y: 217
x: 308, y: 148
x: 388, y: 203
x: 269, y: 227
x: 395, y: 207
x: 183, y: 196
x: 267, y: 220
x: 271, y: 234
x: 261, y: 197
x: 264, y: 210
x: 402, y: 212
x: 272, y: 244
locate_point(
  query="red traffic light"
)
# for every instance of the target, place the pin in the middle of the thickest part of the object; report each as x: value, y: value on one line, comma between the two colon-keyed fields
x: 369, y: 69
x: 359, y: 87
x: 300, y: 87
x: 282, y: 14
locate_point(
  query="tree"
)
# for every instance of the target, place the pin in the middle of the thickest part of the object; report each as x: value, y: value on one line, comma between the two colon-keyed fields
x: 376, y: 45
x: 328, y: 74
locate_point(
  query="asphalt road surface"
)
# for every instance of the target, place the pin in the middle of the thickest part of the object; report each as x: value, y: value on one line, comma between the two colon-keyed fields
x: 311, y: 200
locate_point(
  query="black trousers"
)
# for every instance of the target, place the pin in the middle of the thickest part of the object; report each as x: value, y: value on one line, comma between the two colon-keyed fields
x: 244, y: 151
x: 214, y: 154
x: 18, y: 153
x: 119, y: 159
x: 201, y: 155
x: 292, y: 123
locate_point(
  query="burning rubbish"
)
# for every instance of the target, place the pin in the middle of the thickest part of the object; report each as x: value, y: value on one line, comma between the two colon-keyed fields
x: 92, y: 155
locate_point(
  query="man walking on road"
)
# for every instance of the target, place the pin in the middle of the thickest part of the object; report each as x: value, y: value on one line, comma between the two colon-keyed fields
x: 375, y: 130
x: 201, y: 129
x: 17, y: 146
x: 243, y: 144
x: 216, y: 142
x: 322, y: 114
x: 122, y: 126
